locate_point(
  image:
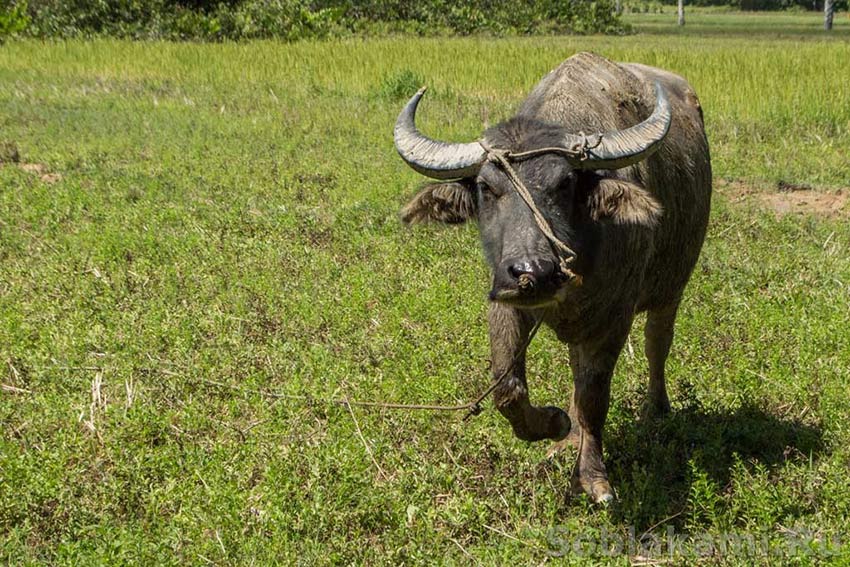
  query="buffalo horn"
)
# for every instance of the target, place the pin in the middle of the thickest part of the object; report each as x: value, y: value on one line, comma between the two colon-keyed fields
x: 439, y: 160
x: 622, y: 148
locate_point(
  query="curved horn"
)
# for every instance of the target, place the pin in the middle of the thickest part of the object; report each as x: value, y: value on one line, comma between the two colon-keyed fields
x: 621, y: 148
x: 431, y: 157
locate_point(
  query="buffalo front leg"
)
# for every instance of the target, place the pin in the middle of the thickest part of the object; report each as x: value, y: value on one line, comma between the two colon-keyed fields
x: 592, y: 368
x: 509, y: 329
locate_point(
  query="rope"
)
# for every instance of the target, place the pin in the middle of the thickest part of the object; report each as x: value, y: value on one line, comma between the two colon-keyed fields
x: 579, y: 150
x: 472, y: 408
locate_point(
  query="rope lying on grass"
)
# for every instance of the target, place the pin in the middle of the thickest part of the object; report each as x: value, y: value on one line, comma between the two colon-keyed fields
x: 472, y: 408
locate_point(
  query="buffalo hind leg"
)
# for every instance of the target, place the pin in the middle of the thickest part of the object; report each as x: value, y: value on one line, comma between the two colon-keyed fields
x: 658, y: 333
x: 509, y: 329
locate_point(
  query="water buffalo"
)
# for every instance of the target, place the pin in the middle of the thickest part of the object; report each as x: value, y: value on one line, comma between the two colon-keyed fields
x: 631, y: 206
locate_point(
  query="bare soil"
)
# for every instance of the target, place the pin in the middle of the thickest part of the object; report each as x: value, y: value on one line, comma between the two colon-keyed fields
x: 788, y: 198
x: 38, y: 169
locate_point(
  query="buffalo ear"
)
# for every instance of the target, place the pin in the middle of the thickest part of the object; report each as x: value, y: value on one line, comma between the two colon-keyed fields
x: 623, y: 202
x: 452, y: 202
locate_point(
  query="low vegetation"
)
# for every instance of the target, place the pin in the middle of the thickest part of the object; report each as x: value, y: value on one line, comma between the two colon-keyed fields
x: 199, y: 246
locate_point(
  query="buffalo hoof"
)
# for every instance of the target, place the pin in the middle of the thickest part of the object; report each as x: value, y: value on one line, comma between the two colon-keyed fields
x: 597, y: 489
x: 559, y: 423
x: 536, y: 424
x: 605, y: 499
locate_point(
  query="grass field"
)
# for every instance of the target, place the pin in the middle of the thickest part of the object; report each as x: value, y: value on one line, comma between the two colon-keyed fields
x: 720, y: 22
x: 190, y: 226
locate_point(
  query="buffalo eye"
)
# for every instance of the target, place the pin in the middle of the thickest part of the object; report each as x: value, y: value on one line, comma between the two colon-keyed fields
x: 487, y: 191
x: 568, y: 181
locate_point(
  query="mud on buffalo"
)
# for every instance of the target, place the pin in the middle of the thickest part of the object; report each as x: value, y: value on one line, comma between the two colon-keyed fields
x: 592, y: 204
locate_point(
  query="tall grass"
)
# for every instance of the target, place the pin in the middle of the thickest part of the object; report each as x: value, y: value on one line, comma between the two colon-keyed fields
x: 762, y: 98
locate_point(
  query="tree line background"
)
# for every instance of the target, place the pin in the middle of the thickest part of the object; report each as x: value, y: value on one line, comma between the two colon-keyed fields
x: 302, y: 19
x: 291, y: 20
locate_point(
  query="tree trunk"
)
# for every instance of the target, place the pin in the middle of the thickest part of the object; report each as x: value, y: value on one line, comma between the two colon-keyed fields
x: 681, y: 12
x: 828, y: 11
x: 618, y: 9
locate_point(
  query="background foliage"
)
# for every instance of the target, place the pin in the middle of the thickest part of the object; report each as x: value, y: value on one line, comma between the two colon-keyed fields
x: 303, y: 19
x: 291, y: 20
x: 13, y: 19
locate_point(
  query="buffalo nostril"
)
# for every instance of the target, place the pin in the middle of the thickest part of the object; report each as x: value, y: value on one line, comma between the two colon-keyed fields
x: 523, y: 273
x: 517, y: 270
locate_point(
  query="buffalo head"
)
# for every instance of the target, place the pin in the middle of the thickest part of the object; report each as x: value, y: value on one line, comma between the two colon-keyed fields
x: 525, y: 266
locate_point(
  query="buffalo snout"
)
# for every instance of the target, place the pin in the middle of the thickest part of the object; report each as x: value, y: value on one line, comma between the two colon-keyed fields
x: 528, y: 280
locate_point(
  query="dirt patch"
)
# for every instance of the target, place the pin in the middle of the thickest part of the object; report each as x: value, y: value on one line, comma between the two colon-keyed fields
x: 9, y: 155
x: 788, y: 198
x: 41, y: 170
x: 37, y: 168
x: 51, y: 177
x: 808, y: 202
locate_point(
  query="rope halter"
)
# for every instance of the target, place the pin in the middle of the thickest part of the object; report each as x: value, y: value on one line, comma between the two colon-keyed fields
x: 503, y: 159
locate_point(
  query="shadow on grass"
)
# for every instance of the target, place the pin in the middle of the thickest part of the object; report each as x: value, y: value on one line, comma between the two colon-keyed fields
x: 656, y: 465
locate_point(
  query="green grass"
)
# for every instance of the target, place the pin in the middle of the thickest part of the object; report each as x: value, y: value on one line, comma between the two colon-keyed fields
x: 721, y: 23
x: 228, y: 214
